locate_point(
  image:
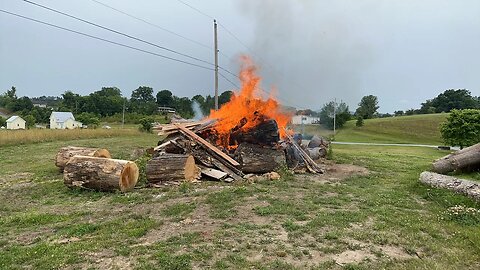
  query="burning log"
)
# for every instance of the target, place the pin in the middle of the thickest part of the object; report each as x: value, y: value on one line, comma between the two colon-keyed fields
x: 468, y: 158
x: 265, y: 133
x: 257, y: 159
x: 65, y: 153
x: 101, y: 174
x: 172, y: 168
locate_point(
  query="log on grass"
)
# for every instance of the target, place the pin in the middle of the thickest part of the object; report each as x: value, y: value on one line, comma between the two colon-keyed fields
x: 103, y: 174
x: 172, y: 168
x: 65, y: 153
x: 256, y: 159
x: 466, y: 187
x: 468, y: 158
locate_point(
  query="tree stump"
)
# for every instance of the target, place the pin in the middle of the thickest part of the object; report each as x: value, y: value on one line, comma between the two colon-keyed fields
x: 256, y: 159
x: 101, y: 174
x: 65, y: 153
x: 172, y: 168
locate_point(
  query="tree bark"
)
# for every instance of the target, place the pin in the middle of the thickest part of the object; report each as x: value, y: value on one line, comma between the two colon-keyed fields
x: 256, y: 159
x: 172, y: 168
x: 101, y: 174
x: 467, y: 158
x: 466, y: 187
x: 65, y: 153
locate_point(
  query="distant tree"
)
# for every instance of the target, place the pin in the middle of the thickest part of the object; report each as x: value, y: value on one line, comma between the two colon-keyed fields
x: 105, y: 102
x: 410, y: 112
x: 12, y: 93
x: 462, y: 128
x: 89, y: 119
x: 70, y: 102
x: 20, y: 104
x: 42, y: 115
x: 398, y: 113
x: 449, y: 100
x: 367, y: 107
x: 142, y: 101
x: 342, y: 115
x: 30, y: 120
x: 3, y: 122
x: 165, y: 98
x: 359, y: 122
x: 183, y: 106
x: 224, y: 97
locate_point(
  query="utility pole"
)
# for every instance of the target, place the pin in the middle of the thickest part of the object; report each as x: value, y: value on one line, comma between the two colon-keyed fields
x: 216, y: 62
x: 123, y: 115
x: 334, y: 114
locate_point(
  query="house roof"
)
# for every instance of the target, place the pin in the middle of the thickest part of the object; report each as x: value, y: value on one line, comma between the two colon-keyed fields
x: 61, y: 117
x: 13, y: 118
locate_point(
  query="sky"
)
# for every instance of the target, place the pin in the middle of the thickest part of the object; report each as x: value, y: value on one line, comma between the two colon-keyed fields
x: 308, y: 51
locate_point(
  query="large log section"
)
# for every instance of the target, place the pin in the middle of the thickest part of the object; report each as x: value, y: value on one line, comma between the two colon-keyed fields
x: 468, y: 158
x: 466, y: 187
x: 65, y: 153
x: 256, y: 159
x: 101, y: 174
x: 172, y: 168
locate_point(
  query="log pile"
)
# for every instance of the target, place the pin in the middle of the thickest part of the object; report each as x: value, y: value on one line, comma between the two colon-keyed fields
x: 65, y: 153
x: 256, y: 150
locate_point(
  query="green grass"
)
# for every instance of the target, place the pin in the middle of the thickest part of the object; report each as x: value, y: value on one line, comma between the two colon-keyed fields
x: 415, y: 129
x: 297, y: 222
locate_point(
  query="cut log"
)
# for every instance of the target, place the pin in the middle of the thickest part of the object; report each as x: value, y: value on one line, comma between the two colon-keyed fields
x: 317, y: 152
x: 101, y: 174
x: 65, y: 153
x: 172, y: 168
x: 317, y: 141
x: 466, y: 187
x: 256, y: 159
x: 265, y: 133
x: 468, y: 158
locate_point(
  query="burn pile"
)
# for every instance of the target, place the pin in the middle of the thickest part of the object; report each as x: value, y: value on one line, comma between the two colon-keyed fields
x: 246, y: 135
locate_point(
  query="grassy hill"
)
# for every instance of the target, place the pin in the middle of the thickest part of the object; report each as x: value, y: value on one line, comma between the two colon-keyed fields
x: 418, y: 129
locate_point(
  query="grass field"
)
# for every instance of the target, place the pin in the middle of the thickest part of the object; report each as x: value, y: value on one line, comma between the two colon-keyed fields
x: 416, y: 129
x: 381, y: 220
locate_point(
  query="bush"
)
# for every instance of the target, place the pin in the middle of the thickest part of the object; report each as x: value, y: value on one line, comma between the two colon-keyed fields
x: 89, y: 119
x: 359, y: 122
x: 146, y: 124
x: 462, y: 128
x: 3, y: 122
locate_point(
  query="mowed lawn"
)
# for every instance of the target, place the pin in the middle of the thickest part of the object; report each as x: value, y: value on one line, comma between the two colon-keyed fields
x: 383, y: 220
x: 414, y: 129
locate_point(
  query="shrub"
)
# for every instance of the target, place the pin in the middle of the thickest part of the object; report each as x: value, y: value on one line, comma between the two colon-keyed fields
x: 462, y: 128
x: 146, y: 124
x: 359, y: 122
x: 3, y: 122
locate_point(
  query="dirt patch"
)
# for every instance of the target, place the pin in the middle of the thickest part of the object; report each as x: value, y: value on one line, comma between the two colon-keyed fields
x: 352, y: 256
x: 335, y: 173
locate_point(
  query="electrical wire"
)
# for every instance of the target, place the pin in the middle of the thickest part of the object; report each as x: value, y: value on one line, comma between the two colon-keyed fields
x: 118, y: 32
x: 105, y: 40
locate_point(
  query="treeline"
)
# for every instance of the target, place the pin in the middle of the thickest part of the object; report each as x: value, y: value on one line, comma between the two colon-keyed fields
x: 108, y: 103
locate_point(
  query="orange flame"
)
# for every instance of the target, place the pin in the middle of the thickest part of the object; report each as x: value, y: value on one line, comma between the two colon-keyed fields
x: 248, y: 104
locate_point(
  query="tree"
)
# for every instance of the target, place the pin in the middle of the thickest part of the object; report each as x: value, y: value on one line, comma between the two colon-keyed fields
x: 146, y: 124
x: 359, y: 122
x: 165, y: 98
x: 398, y: 113
x: 341, y: 112
x: 23, y: 103
x: 142, y: 101
x: 183, y: 106
x: 224, y: 97
x: 462, y: 128
x: 368, y: 106
x: 449, y: 100
x: 105, y: 102
x: 89, y: 119
x: 3, y: 122
x: 30, y: 120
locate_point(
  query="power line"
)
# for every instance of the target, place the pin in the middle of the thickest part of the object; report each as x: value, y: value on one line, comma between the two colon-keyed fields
x: 118, y: 32
x: 196, y: 9
x: 105, y: 40
x: 232, y: 83
x: 154, y: 25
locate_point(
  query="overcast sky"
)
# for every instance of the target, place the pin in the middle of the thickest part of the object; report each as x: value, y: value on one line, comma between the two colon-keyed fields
x: 311, y: 51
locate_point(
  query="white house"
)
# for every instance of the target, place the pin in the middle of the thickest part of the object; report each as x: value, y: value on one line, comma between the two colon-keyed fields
x: 304, y: 119
x: 15, y: 122
x: 63, y: 120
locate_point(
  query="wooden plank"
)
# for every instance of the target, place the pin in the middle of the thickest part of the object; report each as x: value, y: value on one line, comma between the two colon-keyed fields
x: 173, y: 127
x: 233, y: 173
x: 215, y: 174
x: 208, y: 145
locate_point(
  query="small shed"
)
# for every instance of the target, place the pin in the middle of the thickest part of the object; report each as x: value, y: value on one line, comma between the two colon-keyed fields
x: 16, y: 122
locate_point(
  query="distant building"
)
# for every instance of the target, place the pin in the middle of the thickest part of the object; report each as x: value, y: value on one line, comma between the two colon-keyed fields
x: 39, y: 105
x: 166, y: 109
x: 63, y: 120
x: 16, y: 122
x: 304, y: 119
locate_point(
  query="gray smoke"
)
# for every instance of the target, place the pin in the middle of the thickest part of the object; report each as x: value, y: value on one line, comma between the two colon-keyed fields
x: 197, y: 110
x: 307, y: 51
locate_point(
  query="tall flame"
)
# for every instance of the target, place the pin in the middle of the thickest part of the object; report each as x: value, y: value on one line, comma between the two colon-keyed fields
x: 246, y: 105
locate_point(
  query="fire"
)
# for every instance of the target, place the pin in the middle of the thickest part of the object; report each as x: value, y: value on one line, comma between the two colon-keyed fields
x: 247, y: 108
